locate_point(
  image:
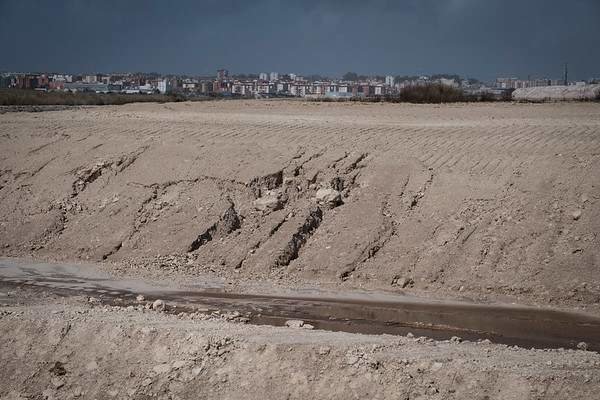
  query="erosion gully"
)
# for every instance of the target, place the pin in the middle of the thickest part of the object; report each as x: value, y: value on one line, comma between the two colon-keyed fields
x: 395, y: 315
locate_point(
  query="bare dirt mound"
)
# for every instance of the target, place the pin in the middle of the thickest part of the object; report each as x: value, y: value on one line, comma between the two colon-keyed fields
x: 482, y: 201
x: 558, y: 93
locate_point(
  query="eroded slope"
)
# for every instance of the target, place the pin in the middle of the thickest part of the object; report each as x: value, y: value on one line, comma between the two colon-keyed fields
x: 468, y: 200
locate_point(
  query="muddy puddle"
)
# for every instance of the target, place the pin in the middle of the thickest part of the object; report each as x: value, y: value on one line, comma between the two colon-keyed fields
x: 512, y: 325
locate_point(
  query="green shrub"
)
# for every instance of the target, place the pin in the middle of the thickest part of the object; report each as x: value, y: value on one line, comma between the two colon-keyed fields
x: 432, y: 93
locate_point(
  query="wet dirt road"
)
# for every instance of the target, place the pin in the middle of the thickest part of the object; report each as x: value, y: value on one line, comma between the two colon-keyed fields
x: 397, y: 315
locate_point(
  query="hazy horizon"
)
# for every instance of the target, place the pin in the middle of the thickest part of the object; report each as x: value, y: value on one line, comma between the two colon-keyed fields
x: 409, y: 37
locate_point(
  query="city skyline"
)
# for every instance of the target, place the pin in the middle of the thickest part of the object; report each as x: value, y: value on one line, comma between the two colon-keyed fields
x: 500, y: 38
x: 258, y: 75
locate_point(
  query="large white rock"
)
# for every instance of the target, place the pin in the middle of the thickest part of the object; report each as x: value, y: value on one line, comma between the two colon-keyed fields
x: 328, y: 196
x: 294, y: 323
x: 159, y: 305
x: 270, y: 202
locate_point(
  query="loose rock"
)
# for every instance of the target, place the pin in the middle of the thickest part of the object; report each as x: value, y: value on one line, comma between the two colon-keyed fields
x: 269, y: 202
x: 402, y: 282
x: 294, y: 323
x: 330, y: 197
x: 159, y: 305
x: 582, y: 346
x: 58, y: 382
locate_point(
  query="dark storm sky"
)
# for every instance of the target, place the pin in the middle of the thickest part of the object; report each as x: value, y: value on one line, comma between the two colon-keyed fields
x: 478, y: 38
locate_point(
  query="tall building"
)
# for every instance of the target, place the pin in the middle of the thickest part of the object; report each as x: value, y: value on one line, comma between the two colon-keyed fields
x: 164, y: 86
x: 263, y: 76
x: 273, y: 76
x: 389, y: 80
x: 222, y: 74
x: 6, y: 81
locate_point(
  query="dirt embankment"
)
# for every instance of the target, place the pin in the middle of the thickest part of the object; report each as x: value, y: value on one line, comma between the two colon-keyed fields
x: 486, y: 201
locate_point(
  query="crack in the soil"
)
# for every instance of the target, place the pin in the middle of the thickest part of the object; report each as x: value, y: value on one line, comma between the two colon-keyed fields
x: 138, y: 222
x: 421, y: 193
x: 259, y: 243
x: 229, y: 222
x: 39, y: 148
x: 87, y: 175
x: 41, y: 167
x: 199, y: 178
x: 297, y: 169
x: 112, y: 251
x: 266, y: 182
x: 355, y: 164
x: 385, y: 233
x: 335, y: 162
x: 141, y: 217
x: 387, y: 230
x: 349, y: 174
x: 292, y: 248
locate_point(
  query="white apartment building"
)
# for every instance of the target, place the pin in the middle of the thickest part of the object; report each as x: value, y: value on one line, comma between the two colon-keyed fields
x: 164, y: 86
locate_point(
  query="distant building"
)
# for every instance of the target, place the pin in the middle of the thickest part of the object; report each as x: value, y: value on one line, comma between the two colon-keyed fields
x: 263, y: 76
x: 56, y: 85
x: 222, y: 87
x: 6, y: 81
x: 283, y: 87
x: 26, y: 82
x: 87, y: 87
x: 61, y: 78
x: 206, y: 87
x: 164, y: 86
x: 222, y: 74
x: 448, y: 82
x: 43, y: 81
x: 146, y: 88
x: 389, y: 80
x: 273, y: 76
x: 515, y: 83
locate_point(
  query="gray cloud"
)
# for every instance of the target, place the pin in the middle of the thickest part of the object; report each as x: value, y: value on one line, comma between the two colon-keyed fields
x: 482, y: 38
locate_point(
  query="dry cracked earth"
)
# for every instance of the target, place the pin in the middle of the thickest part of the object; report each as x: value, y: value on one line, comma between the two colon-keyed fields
x: 485, y: 202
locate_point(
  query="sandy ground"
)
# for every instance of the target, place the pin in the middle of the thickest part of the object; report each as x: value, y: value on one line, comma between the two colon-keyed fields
x: 484, y: 201
x: 70, y: 348
x: 487, y: 202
